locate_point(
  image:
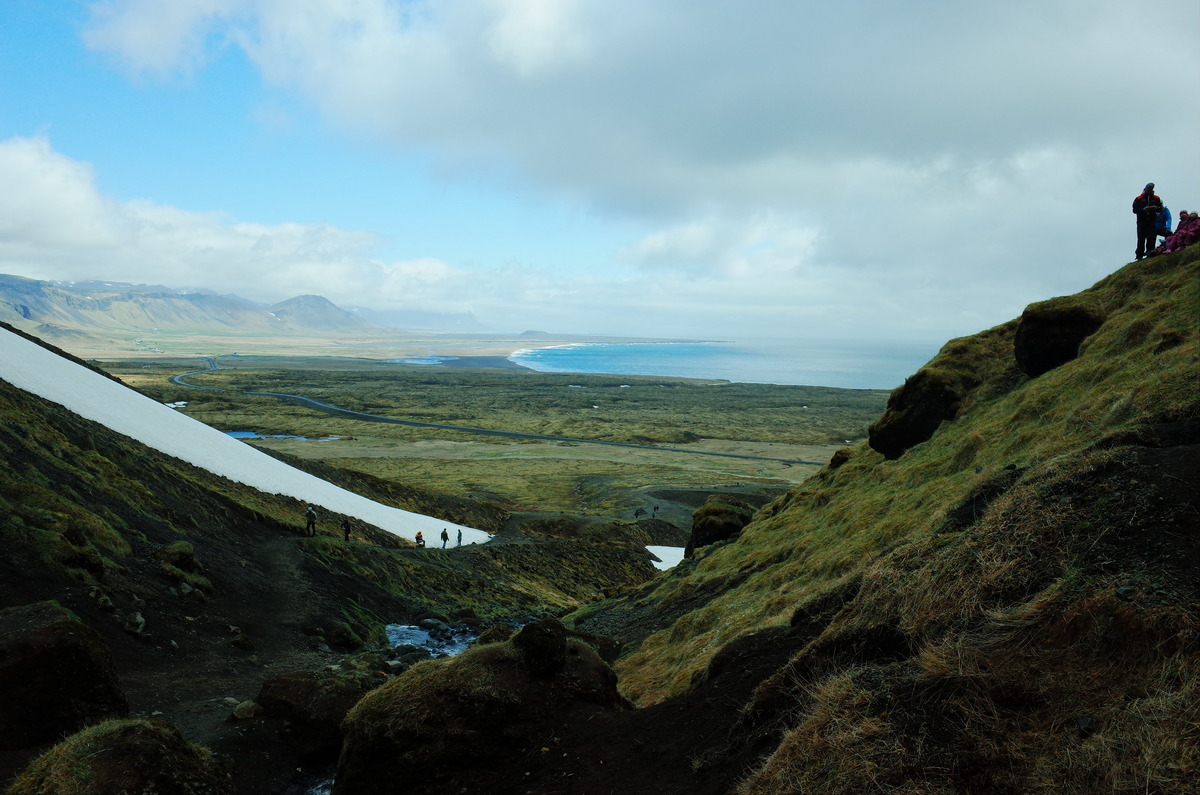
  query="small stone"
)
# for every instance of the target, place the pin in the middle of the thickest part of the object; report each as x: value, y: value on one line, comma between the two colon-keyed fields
x: 1126, y: 592
x: 185, y: 589
x: 246, y: 709
x: 135, y: 624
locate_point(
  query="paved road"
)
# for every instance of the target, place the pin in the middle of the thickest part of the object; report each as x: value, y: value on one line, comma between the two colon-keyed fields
x: 300, y: 400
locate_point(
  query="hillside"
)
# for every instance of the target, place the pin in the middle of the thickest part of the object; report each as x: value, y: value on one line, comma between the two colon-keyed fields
x: 1006, y: 599
x: 315, y: 312
x: 997, y: 592
x: 201, y: 588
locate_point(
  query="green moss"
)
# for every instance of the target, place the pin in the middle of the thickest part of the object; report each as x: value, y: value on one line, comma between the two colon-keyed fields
x: 839, y: 522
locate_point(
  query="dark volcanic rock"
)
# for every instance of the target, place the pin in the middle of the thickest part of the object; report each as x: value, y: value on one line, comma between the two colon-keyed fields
x: 56, y: 675
x: 914, y: 411
x: 466, y: 723
x: 313, y: 704
x: 148, y: 757
x: 543, y: 645
x: 1049, y: 335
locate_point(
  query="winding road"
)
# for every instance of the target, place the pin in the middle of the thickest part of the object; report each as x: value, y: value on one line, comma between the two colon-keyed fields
x: 300, y: 400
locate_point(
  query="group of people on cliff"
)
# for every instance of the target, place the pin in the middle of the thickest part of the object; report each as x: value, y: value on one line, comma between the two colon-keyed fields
x: 1154, y: 221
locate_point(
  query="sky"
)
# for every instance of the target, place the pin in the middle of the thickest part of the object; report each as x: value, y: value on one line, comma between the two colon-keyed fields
x: 866, y: 169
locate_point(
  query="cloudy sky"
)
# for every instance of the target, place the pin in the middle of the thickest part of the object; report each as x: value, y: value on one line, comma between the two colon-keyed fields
x: 699, y: 168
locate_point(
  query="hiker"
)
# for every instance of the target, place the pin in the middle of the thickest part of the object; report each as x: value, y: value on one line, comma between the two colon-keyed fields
x: 1187, y: 233
x: 310, y: 521
x: 459, y: 544
x: 445, y: 538
x: 420, y: 539
x: 346, y: 528
x: 1146, y: 207
x: 1162, y: 225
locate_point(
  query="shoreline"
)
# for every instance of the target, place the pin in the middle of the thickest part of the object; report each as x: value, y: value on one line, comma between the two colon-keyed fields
x: 480, y: 360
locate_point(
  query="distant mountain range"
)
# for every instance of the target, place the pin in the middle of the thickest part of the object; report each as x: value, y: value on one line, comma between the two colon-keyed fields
x: 63, y: 309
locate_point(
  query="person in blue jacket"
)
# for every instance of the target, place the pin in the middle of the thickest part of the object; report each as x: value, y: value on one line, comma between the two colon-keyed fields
x: 1146, y: 207
x: 1162, y: 227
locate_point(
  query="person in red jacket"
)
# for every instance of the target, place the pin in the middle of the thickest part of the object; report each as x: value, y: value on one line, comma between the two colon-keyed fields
x: 1146, y: 207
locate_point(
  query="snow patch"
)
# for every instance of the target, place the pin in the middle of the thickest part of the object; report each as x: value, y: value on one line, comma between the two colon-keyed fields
x: 668, y: 557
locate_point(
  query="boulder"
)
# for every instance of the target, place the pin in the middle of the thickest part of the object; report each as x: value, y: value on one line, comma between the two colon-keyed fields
x: 149, y: 757
x: 496, y: 633
x: 463, y: 723
x: 56, y: 675
x: 1049, y: 335
x: 718, y: 519
x: 543, y: 646
x: 914, y: 411
x: 313, y: 704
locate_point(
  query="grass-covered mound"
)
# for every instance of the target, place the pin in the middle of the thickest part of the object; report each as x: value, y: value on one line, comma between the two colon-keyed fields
x: 454, y: 725
x: 149, y: 757
x: 1009, y: 604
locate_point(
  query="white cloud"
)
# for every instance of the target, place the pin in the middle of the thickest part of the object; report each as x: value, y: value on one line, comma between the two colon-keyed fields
x: 155, y: 37
x: 868, y: 164
x: 538, y: 37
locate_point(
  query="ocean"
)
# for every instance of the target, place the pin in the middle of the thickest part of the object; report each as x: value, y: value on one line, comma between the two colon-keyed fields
x: 850, y: 364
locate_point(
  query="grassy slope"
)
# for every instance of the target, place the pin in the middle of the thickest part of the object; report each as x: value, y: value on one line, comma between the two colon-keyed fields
x: 1031, y: 566
x: 82, y: 506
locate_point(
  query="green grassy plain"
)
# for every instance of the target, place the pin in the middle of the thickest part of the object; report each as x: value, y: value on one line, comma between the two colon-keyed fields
x: 678, y: 424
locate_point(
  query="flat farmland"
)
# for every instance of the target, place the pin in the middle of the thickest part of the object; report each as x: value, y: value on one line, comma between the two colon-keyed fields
x: 621, y: 440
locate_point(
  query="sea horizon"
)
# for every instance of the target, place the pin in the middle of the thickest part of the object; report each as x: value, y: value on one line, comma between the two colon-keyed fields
x: 847, y: 364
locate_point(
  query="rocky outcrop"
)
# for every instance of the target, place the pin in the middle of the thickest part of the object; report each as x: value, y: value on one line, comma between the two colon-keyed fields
x: 56, y: 675
x: 463, y: 723
x: 149, y: 757
x: 718, y: 519
x: 312, y: 705
x: 1049, y: 334
x: 914, y: 411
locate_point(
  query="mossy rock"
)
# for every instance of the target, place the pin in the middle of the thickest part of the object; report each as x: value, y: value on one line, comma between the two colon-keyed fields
x: 148, y: 757
x: 1050, y: 333
x: 718, y: 519
x: 453, y: 725
x: 56, y: 675
x: 181, y: 555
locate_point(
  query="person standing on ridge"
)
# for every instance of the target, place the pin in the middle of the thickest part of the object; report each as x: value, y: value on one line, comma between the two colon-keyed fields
x: 346, y: 528
x: 1146, y: 207
x: 310, y: 521
x: 445, y: 537
x: 459, y: 544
